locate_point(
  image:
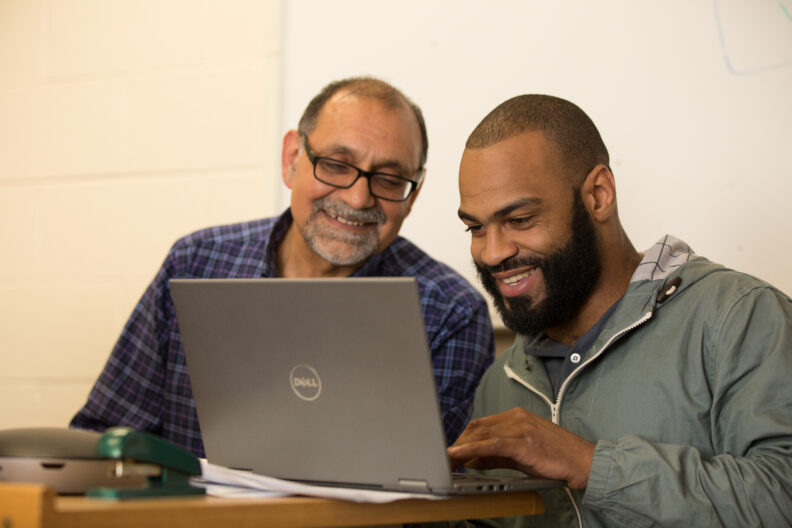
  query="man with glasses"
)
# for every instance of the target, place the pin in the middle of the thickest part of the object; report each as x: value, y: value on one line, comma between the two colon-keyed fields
x: 354, y: 167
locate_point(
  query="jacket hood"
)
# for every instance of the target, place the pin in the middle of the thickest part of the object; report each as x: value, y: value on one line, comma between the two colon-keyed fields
x: 668, y: 268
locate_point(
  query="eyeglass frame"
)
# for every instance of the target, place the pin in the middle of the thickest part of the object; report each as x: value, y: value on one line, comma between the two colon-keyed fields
x: 314, y: 159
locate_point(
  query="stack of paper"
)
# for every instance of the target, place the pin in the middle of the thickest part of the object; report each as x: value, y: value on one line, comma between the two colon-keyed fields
x: 221, y: 481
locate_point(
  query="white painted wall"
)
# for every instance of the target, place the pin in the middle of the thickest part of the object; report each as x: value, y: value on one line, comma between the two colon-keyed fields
x: 127, y: 123
x: 693, y: 99
x: 124, y: 124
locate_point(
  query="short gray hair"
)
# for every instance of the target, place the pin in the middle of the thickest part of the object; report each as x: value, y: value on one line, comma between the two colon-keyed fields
x: 371, y: 87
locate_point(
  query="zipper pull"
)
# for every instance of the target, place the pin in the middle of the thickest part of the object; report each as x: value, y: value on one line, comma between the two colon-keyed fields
x: 669, y: 289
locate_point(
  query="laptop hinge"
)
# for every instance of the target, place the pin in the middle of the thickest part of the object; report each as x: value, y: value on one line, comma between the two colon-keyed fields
x: 414, y: 485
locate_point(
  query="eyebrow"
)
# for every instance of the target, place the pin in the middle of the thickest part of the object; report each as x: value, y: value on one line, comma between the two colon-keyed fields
x: 503, y: 211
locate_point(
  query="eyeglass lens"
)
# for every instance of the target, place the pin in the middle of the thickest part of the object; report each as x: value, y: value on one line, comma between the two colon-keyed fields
x: 342, y: 175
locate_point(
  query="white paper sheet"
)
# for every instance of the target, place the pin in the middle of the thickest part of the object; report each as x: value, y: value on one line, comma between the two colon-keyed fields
x: 221, y: 481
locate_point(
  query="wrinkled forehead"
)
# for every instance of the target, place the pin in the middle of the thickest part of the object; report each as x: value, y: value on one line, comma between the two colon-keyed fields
x: 360, y: 124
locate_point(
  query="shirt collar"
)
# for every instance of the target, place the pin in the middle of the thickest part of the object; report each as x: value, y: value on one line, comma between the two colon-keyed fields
x: 543, y: 346
x: 270, y: 267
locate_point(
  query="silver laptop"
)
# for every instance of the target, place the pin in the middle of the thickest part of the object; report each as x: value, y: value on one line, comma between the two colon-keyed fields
x: 322, y: 381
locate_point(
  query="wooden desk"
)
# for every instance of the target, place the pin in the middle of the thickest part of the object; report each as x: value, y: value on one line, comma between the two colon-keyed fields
x: 36, y: 506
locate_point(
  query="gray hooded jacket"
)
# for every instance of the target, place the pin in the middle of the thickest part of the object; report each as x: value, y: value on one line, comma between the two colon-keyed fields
x: 687, y: 393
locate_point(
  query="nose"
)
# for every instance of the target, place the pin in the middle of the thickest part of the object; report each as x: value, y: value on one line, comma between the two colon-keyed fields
x: 496, y: 247
x: 358, y: 196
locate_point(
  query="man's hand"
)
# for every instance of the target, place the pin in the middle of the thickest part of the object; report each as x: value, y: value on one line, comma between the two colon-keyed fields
x: 518, y: 439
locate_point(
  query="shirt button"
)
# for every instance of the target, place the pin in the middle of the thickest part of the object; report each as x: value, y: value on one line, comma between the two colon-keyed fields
x: 575, y: 358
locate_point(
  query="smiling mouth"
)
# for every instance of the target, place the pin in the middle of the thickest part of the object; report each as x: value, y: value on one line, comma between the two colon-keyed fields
x: 514, y: 279
x: 345, y: 221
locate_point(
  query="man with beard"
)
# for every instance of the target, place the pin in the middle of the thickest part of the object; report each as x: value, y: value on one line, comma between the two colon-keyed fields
x: 354, y: 167
x: 655, y: 385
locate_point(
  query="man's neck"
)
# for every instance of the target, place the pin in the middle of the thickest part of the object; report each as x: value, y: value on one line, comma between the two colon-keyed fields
x: 611, y: 287
x: 297, y: 260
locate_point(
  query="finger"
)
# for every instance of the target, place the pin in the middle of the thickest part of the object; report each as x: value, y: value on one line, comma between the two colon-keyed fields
x: 488, y: 447
x: 491, y: 463
x: 458, y: 455
x: 483, y: 428
x: 456, y: 462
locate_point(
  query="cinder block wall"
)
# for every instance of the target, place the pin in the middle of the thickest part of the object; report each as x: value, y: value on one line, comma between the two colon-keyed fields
x: 124, y: 124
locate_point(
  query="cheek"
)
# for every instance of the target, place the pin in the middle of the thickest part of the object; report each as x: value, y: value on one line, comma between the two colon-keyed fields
x: 306, y: 189
x: 556, y: 238
x: 395, y: 213
x: 301, y: 201
x: 542, y: 238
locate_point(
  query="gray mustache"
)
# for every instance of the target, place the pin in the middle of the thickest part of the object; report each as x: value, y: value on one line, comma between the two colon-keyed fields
x: 368, y: 216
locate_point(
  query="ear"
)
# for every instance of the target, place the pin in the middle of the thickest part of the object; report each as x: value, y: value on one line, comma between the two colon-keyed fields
x: 599, y: 193
x: 289, y: 155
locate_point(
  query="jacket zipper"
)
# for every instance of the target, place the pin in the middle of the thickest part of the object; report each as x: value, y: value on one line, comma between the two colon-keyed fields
x: 614, y: 337
x: 556, y: 406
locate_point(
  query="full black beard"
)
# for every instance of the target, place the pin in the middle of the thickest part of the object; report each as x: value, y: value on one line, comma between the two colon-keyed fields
x: 570, y: 275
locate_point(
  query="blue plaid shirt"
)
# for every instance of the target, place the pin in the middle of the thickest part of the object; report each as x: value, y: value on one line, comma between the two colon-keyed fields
x: 145, y: 384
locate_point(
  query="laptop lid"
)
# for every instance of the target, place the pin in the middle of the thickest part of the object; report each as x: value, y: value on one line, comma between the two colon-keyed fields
x: 326, y: 381
x: 320, y: 380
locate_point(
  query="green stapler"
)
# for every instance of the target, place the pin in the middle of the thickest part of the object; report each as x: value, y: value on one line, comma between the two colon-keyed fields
x: 120, y: 463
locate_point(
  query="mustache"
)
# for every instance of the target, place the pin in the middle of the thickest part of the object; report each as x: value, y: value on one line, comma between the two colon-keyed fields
x: 375, y: 215
x: 509, y: 264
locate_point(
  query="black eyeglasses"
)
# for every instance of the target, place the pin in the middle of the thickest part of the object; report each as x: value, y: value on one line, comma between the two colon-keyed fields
x: 391, y: 187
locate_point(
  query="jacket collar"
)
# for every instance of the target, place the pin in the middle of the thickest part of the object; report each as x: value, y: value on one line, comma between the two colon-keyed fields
x: 659, y: 264
x: 662, y: 259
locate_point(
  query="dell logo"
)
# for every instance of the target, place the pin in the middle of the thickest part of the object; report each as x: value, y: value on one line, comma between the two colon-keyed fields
x: 305, y: 382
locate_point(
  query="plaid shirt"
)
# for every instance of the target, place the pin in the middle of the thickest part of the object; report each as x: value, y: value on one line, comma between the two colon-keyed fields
x: 145, y: 384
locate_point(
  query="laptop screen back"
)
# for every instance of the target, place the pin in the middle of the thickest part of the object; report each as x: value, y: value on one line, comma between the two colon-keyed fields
x: 326, y: 381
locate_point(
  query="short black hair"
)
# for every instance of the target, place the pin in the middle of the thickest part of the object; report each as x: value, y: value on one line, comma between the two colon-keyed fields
x: 563, y: 123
